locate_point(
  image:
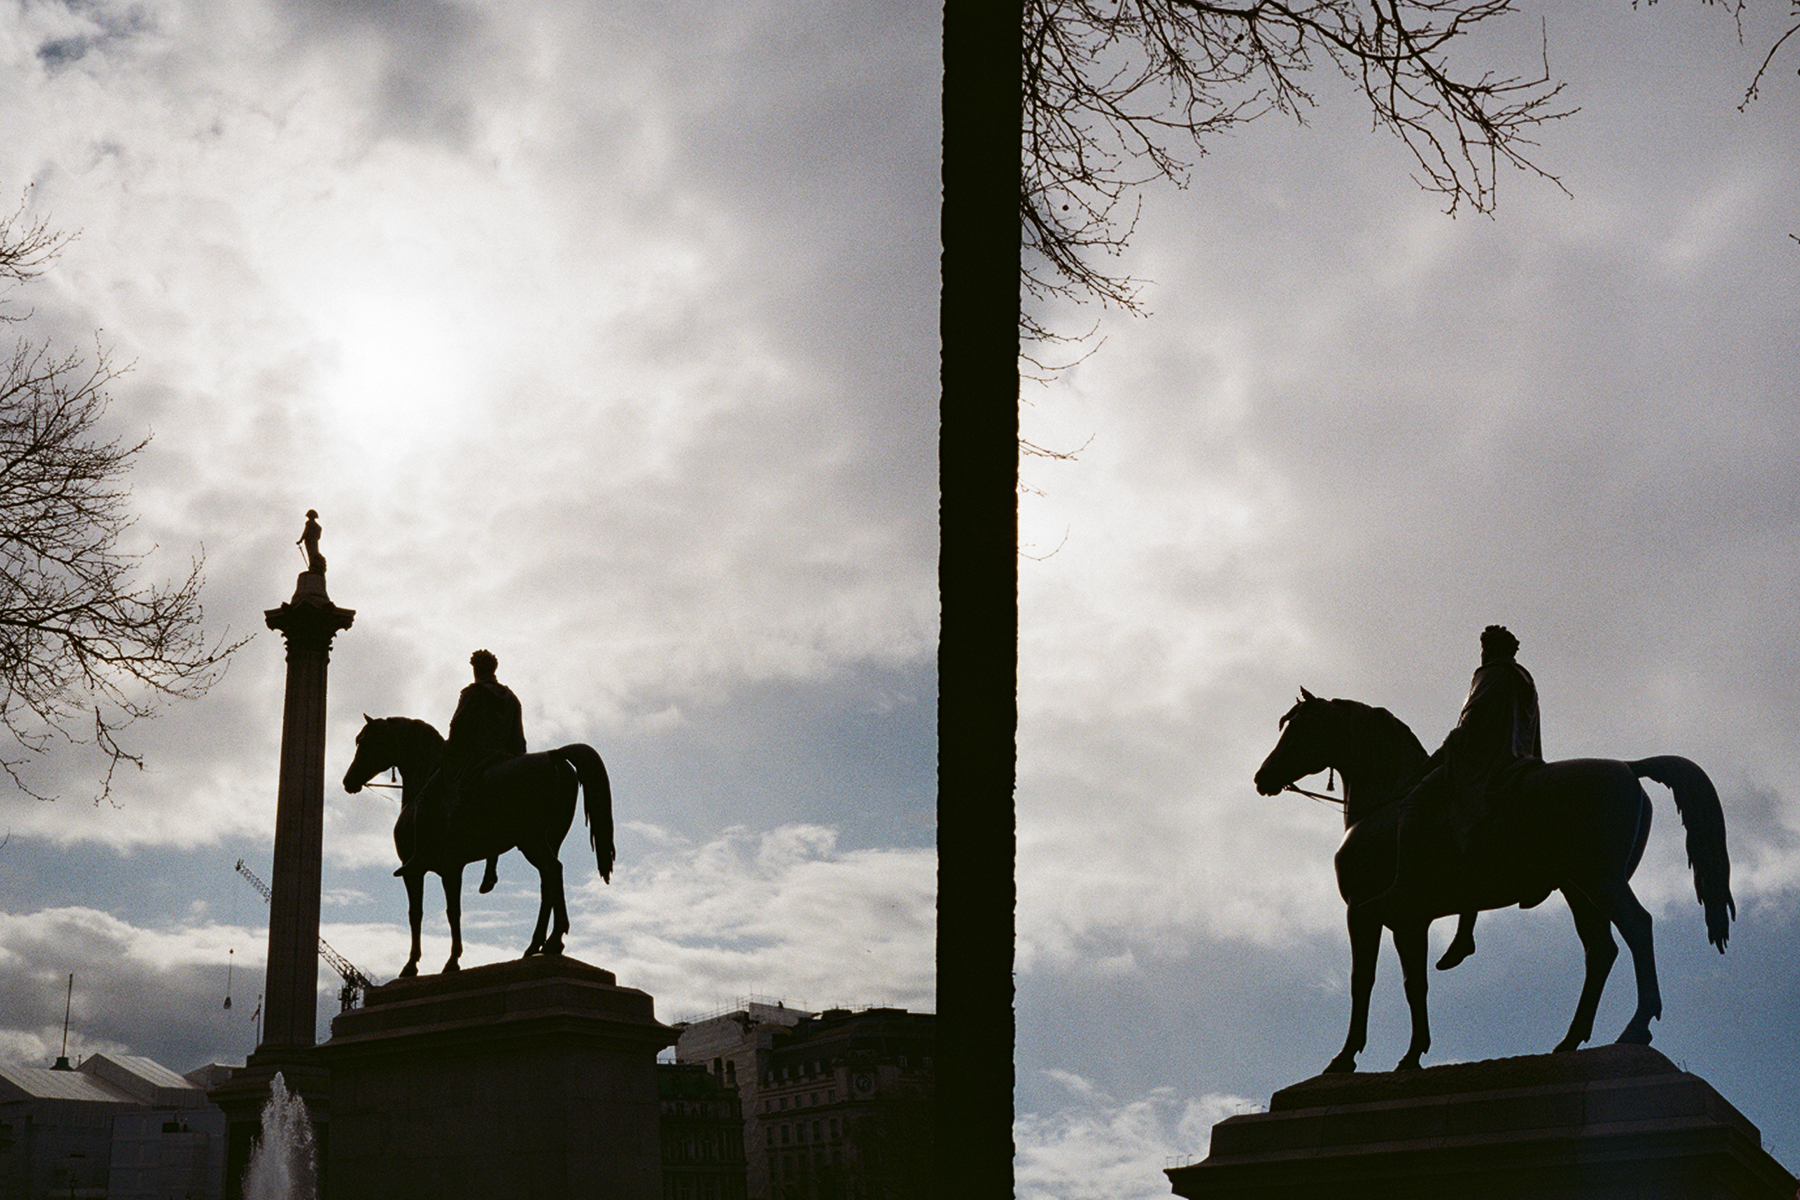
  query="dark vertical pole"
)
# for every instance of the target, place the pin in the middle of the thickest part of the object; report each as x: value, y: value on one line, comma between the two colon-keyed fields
x: 978, y: 589
x: 291, y: 1004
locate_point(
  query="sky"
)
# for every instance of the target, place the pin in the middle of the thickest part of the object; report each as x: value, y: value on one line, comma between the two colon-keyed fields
x: 608, y: 342
x: 1351, y: 433
x: 604, y: 340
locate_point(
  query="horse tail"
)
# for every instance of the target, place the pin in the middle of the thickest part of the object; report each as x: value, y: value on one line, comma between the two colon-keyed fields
x: 596, y: 801
x: 1698, y: 803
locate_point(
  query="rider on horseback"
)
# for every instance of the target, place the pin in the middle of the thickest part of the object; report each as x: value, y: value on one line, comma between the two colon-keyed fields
x: 1495, y: 739
x: 489, y: 726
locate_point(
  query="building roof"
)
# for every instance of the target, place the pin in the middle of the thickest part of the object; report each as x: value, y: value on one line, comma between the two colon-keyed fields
x: 144, y: 1080
x: 41, y: 1083
x: 102, y: 1079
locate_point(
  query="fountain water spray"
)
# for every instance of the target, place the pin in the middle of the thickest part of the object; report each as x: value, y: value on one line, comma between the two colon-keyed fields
x: 282, y: 1166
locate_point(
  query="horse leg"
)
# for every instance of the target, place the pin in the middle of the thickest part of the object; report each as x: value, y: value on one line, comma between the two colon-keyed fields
x: 1622, y: 907
x: 415, y: 912
x: 1365, y: 950
x: 452, y: 877
x: 553, y: 884
x: 1410, y: 939
x: 538, y: 934
x: 1600, y: 950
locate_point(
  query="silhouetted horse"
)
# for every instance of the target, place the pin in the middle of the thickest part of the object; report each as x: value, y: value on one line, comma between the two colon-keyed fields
x: 1577, y: 826
x: 528, y: 802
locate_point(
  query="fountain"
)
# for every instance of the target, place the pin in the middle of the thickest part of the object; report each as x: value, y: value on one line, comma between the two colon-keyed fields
x: 282, y: 1166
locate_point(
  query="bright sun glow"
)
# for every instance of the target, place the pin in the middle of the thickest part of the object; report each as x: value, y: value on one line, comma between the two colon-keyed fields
x: 407, y: 368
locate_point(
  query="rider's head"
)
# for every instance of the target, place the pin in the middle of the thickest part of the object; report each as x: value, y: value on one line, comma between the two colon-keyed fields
x: 1498, y: 644
x: 485, y: 664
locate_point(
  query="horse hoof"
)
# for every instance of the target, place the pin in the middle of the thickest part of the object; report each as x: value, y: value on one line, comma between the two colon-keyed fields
x: 1633, y: 1037
x: 1409, y: 1063
x: 1343, y: 1064
x: 1568, y: 1045
x: 409, y: 970
x: 451, y: 966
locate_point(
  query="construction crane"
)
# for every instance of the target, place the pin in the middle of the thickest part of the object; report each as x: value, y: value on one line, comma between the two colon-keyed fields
x: 355, y: 982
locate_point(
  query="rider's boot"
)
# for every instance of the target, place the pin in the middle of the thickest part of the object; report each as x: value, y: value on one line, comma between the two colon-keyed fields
x: 491, y: 876
x: 1462, y: 945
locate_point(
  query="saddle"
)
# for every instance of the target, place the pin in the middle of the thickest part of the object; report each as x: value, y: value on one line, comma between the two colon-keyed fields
x: 1487, y: 825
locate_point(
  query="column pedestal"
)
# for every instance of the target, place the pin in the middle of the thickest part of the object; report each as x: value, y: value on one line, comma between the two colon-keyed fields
x: 533, y: 1079
x: 1612, y: 1123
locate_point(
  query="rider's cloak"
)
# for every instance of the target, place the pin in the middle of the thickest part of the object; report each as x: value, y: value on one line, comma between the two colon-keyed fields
x: 1496, y: 738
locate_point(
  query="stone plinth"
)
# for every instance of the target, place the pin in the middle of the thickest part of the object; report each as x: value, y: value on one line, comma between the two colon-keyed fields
x: 1612, y: 1123
x: 534, y: 1078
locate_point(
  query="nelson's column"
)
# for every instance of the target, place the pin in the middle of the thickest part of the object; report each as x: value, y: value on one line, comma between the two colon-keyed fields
x: 307, y: 623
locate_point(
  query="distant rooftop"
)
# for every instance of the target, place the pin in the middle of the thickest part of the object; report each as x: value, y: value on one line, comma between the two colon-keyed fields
x: 104, y: 1079
x: 761, y: 1007
x: 42, y: 1083
x: 772, y: 1008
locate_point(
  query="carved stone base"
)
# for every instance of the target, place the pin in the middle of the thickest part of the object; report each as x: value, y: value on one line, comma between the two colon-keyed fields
x: 1612, y: 1123
x: 523, y: 1079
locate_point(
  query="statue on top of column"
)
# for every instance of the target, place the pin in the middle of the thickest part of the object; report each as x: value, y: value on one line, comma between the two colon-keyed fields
x: 309, y: 538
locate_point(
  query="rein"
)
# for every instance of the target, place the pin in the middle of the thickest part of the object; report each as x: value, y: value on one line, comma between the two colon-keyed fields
x: 1330, y: 779
x: 1314, y: 795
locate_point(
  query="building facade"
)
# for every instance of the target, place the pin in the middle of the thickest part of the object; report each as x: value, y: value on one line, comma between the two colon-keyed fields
x: 117, y: 1126
x: 702, y: 1130
x: 735, y: 1046
x: 841, y: 1108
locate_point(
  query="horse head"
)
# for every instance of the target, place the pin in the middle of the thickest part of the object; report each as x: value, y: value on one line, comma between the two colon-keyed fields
x: 1305, y: 748
x: 365, y: 766
x: 405, y: 744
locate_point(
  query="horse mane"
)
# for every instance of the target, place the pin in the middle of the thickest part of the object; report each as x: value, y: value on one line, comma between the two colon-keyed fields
x: 416, y: 725
x: 1380, y: 724
x: 1394, y: 754
x: 413, y: 731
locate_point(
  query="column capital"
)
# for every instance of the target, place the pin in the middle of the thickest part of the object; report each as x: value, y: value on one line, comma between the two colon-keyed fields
x: 309, y: 622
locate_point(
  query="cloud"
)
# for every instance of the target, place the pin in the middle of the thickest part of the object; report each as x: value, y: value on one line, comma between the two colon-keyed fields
x: 1095, y: 1146
x: 136, y: 990
x: 782, y: 911
x: 570, y: 370
x: 777, y: 912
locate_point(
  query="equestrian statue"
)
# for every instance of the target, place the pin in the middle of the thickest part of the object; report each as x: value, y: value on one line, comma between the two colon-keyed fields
x: 476, y: 795
x: 1487, y: 823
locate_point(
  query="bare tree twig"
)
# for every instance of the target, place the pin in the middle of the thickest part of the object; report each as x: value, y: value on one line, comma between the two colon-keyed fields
x: 1118, y: 93
x: 86, y: 648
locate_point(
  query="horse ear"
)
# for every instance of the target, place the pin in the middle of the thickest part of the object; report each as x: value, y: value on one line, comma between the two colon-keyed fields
x: 1306, y: 695
x: 367, y: 719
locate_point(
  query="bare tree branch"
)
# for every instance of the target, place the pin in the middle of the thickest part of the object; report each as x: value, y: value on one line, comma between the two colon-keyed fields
x: 1118, y: 93
x: 85, y: 647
